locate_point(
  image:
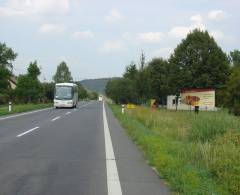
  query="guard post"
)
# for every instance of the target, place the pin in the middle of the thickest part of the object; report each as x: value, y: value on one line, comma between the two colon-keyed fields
x: 123, y: 108
x: 10, y: 107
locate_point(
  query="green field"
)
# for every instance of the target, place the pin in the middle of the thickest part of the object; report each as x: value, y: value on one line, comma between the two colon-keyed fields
x: 195, y: 154
x: 22, y: 108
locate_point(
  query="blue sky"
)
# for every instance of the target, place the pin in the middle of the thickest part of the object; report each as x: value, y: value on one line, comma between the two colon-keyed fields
x: 99, y: 38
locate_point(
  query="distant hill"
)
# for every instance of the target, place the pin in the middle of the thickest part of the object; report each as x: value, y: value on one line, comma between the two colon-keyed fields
x: 97, y: 85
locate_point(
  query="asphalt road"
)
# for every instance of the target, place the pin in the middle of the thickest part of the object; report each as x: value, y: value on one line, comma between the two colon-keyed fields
x: 81, y: 151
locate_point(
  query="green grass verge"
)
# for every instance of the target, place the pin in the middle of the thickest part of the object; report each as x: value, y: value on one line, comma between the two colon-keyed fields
x: 194, y: 154
x: 22, y: 108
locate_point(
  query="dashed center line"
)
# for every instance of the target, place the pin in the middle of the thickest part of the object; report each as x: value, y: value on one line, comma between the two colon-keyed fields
x: 56, y: 118
x: 20, y: 135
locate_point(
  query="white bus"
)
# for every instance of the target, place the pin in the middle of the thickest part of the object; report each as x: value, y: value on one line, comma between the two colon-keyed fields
x: 66, y: 95
x: 100, y: 98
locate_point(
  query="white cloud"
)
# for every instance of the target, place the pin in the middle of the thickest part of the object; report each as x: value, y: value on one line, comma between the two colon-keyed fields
x: 182, y: 31
x: 162, y: 52
x: 127, y: 36
x: 114, y: 16
x: 112, y: 46
x: 34, y: 7
x: 150, y: 37
x: 197, y: 18
x: 217, y: 34
x: 217, y: 15
x: 179, y: 31
x: 51, y: 28
x: 83, y: 34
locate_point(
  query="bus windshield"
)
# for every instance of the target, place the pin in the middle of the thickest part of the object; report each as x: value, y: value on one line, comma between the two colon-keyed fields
x: 64, y: 93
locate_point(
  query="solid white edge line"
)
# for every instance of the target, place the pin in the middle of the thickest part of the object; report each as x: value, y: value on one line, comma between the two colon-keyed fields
x: 67, y: 113
x: 25, y: 113
x: 113, y: 182
x: 20, y: 135
x: 58, y: 117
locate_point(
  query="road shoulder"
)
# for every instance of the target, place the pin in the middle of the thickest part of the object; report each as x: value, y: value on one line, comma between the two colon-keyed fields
x: 136, y: 176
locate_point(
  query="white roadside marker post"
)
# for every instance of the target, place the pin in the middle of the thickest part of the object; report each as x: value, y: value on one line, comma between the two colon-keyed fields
x: 10, y: 107
x: 123, y: 108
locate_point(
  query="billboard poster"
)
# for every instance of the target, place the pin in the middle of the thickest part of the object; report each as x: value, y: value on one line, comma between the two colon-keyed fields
x: 198, y: 97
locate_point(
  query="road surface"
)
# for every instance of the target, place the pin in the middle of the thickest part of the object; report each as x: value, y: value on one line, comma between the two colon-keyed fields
x: 81, y: 151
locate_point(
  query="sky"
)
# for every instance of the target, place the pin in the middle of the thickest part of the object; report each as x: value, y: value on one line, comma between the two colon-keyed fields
x: 98, y: 39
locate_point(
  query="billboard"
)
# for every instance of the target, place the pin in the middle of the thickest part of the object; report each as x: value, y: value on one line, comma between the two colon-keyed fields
x: 204, y: 98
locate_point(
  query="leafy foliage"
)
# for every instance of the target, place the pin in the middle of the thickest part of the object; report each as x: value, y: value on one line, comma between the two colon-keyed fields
x: 235, y: 58
x: 131, y: 71
x: 198, y: 62
x: 233, y: 92
x: 7, y: 55
x: 160, y: 85
x: 47, y: 91
x: 29, y: 87
x: 121, y: 90
x: 63, y: 74
x: 82, y: 92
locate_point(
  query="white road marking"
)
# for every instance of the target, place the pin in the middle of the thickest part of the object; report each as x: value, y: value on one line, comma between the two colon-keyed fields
x: 113, y: 182
x: 56, y: 118
x: 67, y: 113
x: 25, y: 113
x: 20, y: 135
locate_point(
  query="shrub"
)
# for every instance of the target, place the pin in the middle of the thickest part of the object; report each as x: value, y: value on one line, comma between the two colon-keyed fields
x: 224, y: 163
x: 3, y: 98
x: 236, y: 108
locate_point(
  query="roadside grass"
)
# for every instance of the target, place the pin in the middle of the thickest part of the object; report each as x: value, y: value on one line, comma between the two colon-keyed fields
x: 22, y: 108
x: 194, y: 154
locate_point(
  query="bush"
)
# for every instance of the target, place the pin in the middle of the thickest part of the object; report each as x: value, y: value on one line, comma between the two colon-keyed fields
x: 236, y: 108
x: 3, y: 98
x: 224, y: 163
x: 232, y: 99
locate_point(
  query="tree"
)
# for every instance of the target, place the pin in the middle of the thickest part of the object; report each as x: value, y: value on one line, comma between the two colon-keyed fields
x: 131, y: 71
x: 235, y: 58
x: 142, y: 81
x: 48, y: 91
x: 142, y: 60
x: 92, y: 95
x: 233, y: 92
x: 34, y: 70
x: 198, y: 62
x: 28, y: 86
x: 7, y: 56
x: 142, y: 85
x: 121, y: 91
x: 62, y: 74
x: 82, y: 93
x: 160, y: 85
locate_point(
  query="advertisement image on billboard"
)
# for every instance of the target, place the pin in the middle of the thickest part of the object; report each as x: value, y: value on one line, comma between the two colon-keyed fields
x: 204, y: 98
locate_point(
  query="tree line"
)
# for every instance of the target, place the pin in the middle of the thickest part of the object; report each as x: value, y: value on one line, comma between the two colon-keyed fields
x: 197, y: 62
x: 29, y: 89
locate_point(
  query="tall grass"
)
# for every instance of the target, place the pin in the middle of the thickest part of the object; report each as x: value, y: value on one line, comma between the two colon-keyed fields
x: 196, y: 154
